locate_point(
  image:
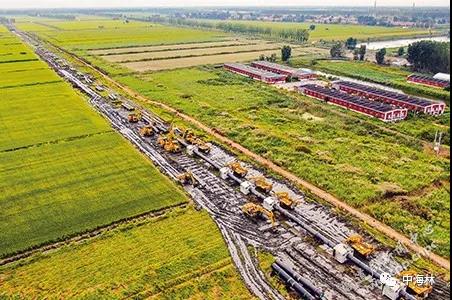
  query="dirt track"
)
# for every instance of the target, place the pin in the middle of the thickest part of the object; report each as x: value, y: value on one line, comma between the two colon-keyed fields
x: 388, y: 231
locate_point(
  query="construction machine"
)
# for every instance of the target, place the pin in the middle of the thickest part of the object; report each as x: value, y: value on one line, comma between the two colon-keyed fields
x: 360, y: 246
x: 169, y: 142
x: 146, y: 131
x: 187, y: 178
x: 203, y: 146
x: 262, y: 184
x: 421, y: 289
x: 237, y: 169
x: 254, y: 210
x: 189, y: 136
x: 134, y: 117
x: 286, y: 201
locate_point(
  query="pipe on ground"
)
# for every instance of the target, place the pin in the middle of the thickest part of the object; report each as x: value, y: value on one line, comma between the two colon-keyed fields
x: 304, y: 281
x: 292, y: 282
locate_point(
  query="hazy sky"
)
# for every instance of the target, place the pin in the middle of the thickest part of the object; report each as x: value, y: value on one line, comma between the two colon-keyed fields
x: 159, y: 3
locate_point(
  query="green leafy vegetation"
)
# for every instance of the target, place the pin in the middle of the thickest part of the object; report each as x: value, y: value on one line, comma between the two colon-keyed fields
x: 151, y: 259
x: 347, y: 154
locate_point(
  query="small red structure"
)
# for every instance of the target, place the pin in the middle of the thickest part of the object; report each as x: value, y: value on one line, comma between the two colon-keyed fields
x: 378, y: 110
x: 412, y: 103
x: 284, y: 70
x: 257, y: 74
x: 428, y: 81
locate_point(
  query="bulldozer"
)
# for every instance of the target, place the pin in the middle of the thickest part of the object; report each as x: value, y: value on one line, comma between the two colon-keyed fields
x: 187, y: 178
x: 286, y: 201
x: 360, y: 246
x: 237, y: 169
x: 134, y: 118
x: 146, y: 131
x: 262, y: 184
x: 422, y: 291
x: 253, y: 210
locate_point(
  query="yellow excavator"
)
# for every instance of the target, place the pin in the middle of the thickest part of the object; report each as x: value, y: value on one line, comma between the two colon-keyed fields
x: 169, y: 142
x: 134, y: 117
x: 192, y: 139
x: 189, y: 136
x: 262, y: 184
x: 237, y: 169
x: 146, y: 131
x: 253, y: 210
x: 187, y: 178
x: 286, y: 201
x: 359, y: 245
x: 421, y: 291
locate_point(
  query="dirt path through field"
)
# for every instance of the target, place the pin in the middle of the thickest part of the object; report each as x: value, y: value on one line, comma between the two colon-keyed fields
x: 388, y: 231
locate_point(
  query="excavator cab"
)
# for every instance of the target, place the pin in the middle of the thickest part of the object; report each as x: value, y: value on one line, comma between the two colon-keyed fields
x: 360, y: 246
x: 187, y: 178
x: 286, y: 201
x: 409, y: 277
x: 146, y: 131
x: 262, y: 184
x: 253, y: 210
x: 238, y: 170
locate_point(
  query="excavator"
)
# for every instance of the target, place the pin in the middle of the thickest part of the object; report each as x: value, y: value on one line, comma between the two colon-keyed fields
x: 187, y: 178
x: 359, y: 245
x: 192, y: 139
x: 237, y: 169
x: 169, y: 142
x: 286, y: 201
x: 262, y: 184
x: 146, y: 131
x: 134, y: 117
x: 422, y: 291
x: 253, y: 210
x: 189, y: 136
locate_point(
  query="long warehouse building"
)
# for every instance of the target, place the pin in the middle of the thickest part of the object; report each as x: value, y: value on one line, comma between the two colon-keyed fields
x: 429, y: 81
x: 378, y: 110
x: 284, y: 70
x: 257, y: 74
x: 412, y: 103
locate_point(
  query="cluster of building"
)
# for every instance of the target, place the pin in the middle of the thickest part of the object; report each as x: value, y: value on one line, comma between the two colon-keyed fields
x: 269, y: 72
x: 385, y: 105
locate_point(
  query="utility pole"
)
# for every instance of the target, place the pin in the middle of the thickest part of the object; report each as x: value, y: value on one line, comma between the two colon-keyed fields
x: 437, y: 143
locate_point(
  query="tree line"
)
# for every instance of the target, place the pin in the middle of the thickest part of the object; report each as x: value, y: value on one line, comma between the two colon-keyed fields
x: 298, y: 35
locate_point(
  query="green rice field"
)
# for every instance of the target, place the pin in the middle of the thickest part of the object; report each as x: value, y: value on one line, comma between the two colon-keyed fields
x: 63, y: 170
x: 101, y: 34
x: 154, y: 259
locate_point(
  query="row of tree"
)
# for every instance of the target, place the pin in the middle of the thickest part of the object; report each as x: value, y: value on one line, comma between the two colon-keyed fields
x: 298, y: 35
